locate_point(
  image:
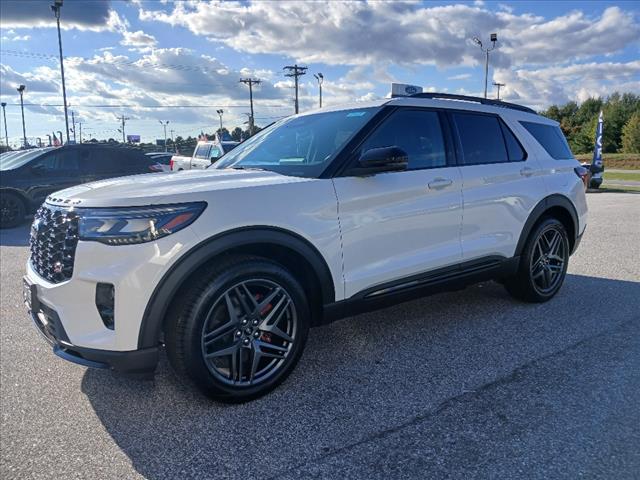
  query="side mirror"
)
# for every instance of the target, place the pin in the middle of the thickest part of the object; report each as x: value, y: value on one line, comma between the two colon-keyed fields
x: 382, y: 159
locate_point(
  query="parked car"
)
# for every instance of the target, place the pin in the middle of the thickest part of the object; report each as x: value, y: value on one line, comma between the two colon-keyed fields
x: 320, y: 216
x: 162, y: 159
x: 203, y: 156
x: 28, y: 177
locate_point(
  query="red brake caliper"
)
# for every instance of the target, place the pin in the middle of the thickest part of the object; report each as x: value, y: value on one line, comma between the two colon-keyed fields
x: 266, y: 336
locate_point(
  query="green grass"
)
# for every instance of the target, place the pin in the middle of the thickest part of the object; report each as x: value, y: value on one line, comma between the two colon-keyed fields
x: 617, y: 189
x: 633, y: 176
x: 624, y: 161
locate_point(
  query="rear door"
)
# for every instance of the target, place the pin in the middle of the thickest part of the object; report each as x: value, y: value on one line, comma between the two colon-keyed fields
x: 398, y: 224
x: 205, y: 155
x: 500, y: 184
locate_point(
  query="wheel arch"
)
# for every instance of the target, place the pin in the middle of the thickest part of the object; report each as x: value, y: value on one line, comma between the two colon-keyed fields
x: 283, y: 246
x: 555, y: 205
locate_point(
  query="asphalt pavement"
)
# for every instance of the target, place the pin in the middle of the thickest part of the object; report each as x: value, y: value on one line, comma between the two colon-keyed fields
x: 470, y: 384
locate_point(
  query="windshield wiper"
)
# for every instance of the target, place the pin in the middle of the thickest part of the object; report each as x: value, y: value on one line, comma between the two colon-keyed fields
x: 240, y: 167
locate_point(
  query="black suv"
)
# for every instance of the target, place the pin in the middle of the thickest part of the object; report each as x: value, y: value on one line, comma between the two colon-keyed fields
x: 28, y: 177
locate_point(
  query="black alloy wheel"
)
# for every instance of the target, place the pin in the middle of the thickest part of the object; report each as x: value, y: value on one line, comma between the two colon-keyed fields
x: 240, y: 328
x: 12, y: 210
x: 543, y: 263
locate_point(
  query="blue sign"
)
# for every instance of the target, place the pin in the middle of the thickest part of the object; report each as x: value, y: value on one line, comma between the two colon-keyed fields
x: 597, y: 151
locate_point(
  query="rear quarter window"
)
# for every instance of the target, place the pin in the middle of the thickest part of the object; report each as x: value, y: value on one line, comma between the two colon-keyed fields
x: 550, y: 137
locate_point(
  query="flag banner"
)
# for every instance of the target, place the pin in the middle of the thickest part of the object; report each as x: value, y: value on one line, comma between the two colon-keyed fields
x: 596, y: 163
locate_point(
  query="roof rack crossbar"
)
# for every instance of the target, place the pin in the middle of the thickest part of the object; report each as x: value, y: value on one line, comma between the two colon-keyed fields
x: 468, y: 98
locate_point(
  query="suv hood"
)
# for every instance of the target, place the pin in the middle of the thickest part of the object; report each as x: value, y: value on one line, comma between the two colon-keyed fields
x: 164, y: 188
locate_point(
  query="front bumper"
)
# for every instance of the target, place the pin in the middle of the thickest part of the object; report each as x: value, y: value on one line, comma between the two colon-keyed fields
x: 47, y: 322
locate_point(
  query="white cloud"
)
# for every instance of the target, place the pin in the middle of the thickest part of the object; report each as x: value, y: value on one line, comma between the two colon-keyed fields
x: 359, y: 33
x: 94, y: 16
x: 462, y: 76
x: 558, y: 84
x: 16, y: 38
x: 138, y: 39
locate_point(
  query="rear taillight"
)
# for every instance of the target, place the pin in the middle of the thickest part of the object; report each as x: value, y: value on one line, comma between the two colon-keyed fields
x: 583, y: 173
x: 171, y: 163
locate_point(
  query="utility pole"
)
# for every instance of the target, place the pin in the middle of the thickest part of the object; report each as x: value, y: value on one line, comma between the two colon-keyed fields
x: 295, y: 71
x: 73, y: 121
x: 123, y: 119
x: 79, y: 123
x: 251, y: 82
x: 4, y: 114
x: 57, y: 5
x: 320, y: 79
x: 498, y: 84
x: 494, y: 39
x: 220, y: 112
x: 21, y: 89
x: 164, y: 125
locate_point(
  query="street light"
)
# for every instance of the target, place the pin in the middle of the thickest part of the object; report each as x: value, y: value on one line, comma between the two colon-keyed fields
x: 164, y: 124
x: 494, y: 39
x: 498, y: 84
x: 220, y: 112
x: 57, y: 5
x: 320, y: 79
x: 21, y: 89
x: 4, y: 114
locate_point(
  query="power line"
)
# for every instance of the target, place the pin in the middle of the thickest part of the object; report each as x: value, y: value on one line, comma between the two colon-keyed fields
x: 134, y: 106
x: 295, y: 71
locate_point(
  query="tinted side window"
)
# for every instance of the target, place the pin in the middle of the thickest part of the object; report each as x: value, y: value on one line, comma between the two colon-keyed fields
x: 65, y: 160
x: 514, y: 149
x: 202, y: 151
x: 551, y: 139
x: 215, y: 153
x: 416, y: 132
x: 481, y: 139
x: 103, y: 161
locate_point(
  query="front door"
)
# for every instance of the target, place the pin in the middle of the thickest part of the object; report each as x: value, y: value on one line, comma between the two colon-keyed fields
x: 395, y: 225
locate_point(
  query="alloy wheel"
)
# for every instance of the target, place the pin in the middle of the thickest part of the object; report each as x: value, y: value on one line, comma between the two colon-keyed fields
x: 9, y: 209
x: 548, y: 260
x: 249, y: 332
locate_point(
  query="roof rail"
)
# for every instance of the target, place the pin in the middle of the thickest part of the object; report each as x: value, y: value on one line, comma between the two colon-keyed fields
x: 467, y: 98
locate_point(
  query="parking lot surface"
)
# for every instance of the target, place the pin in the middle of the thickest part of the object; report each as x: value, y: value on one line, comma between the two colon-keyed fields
x: 470, y: 384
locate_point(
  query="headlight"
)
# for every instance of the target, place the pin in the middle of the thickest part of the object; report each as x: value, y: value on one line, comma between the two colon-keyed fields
x: 126, y: 226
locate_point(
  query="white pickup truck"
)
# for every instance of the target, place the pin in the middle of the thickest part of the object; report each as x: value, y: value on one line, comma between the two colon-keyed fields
x: 204, y: 155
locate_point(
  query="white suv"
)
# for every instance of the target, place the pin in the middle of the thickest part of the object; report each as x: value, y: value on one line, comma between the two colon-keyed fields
x: 320, y: 216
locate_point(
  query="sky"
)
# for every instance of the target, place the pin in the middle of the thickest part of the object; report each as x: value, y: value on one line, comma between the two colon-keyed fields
x: 155, y: 61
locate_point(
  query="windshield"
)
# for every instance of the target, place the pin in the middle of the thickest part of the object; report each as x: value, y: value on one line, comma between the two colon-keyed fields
x: 18, y: 159
x: 301, y: 146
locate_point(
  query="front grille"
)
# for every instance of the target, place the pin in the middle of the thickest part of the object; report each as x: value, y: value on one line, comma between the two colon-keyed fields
x: 54, y: 236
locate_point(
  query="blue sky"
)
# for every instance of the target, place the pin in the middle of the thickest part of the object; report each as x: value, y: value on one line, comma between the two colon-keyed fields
x: 136, y: 58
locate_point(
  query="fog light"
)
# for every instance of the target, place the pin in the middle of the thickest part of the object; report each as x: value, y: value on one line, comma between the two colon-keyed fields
x: 105, y: 297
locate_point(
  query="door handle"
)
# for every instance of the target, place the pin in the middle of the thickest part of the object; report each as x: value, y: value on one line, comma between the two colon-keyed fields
x: 526, y: 172
x: 438, y: 183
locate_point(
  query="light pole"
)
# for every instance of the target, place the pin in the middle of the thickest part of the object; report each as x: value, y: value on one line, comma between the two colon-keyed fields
x: 4, y: 114
x: 164, y: 125
x: 320, y: 79
x: 49, y: 137
x: 220, y: 112
x: 494, y: 39
x: 498, y: 84
x: 57, y: 5
x: 21, y: 89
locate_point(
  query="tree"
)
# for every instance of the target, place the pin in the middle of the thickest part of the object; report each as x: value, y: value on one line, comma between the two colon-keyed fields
x: 631, y: 134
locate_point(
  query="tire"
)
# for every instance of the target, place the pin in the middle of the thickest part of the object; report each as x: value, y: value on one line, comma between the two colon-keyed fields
x: 543, y: 263
x: 215, y: 335
x: 12, y: 210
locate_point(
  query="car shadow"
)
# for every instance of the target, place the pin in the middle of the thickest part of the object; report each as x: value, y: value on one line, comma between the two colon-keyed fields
x: 357, y: 377
x: 15, y: 237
